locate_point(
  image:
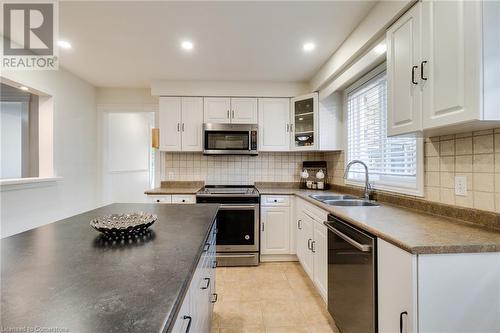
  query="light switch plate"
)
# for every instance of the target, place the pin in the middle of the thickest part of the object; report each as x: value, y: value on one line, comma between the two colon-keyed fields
x: 461, y: 185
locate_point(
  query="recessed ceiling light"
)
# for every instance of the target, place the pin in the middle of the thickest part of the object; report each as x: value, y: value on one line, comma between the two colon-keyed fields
x: 187, y: 45
x: 308, y: 47
x: 24, y: 88
x: 380, y: 48
x: 64, y: 44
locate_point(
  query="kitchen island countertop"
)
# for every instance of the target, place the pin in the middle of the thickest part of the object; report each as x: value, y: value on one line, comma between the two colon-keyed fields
x: 65, y: 276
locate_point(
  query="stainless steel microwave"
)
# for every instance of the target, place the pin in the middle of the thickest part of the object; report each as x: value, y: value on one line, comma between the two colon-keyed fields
x: 230, y: 139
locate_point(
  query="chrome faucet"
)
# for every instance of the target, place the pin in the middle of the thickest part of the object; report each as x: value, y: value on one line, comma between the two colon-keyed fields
x: 368, y: 187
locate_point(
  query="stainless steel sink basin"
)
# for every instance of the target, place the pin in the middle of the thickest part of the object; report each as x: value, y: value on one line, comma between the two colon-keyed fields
x: 324, y: 198
x: 351, y: 203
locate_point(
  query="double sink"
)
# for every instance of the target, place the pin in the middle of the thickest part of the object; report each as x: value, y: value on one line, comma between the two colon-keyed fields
x: 343, y: 200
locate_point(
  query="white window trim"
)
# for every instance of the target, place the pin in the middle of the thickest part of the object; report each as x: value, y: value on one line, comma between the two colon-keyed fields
x: 384, y: 186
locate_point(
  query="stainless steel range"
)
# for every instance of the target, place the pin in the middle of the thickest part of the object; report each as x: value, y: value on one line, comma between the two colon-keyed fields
x: 237, y: 223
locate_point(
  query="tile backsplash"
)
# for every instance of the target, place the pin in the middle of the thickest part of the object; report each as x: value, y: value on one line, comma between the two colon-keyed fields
x: 266, y: 167
x: 475, y: 155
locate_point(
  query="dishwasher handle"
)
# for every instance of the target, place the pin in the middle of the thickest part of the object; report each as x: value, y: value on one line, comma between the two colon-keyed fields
x: 359, y: 246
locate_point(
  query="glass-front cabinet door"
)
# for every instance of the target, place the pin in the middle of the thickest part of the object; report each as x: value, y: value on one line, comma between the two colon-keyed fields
x: 304, y: 118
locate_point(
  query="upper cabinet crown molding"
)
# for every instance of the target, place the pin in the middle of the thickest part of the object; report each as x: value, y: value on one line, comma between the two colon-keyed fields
x: 443, y: 81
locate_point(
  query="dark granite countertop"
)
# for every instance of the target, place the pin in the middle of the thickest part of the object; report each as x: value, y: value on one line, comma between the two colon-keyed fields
x: 62, y: 275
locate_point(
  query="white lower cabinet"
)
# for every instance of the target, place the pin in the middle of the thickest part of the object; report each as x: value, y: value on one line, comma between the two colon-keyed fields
x: 397, y: 287
x: 312, y: 244
x: 195, y: 314
x: 275, y: 230
x: 445, y: 293
x: 172, y: 199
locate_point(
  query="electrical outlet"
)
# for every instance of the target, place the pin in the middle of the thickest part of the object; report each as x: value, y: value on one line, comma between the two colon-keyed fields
x: 171, y: 176
x: 461, y: 185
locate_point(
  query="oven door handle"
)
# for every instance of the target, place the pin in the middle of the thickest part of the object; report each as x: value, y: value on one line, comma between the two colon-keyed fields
x: 359, y: 246
x: 238, y: 207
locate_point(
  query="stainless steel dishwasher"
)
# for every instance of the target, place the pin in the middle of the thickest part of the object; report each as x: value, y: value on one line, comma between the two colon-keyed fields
x: 352, y: 277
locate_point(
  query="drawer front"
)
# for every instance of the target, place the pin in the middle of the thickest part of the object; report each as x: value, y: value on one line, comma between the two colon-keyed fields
x: 275, y: 200
x: 165, y: 199
x: 183, y: 199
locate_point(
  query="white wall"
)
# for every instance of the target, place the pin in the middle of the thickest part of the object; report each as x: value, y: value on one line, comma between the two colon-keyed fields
x: 228, y: 88
x: 368, y: 31
x: 11, y: 119
x: 75, y: 156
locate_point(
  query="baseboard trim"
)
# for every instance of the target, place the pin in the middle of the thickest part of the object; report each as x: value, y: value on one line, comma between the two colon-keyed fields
x: 278, y: 257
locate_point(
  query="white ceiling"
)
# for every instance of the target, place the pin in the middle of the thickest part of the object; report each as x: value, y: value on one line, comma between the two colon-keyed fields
x: 127, y: 44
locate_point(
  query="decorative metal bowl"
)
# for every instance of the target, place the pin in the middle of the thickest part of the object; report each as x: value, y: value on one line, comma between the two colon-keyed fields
x: 117, y: 225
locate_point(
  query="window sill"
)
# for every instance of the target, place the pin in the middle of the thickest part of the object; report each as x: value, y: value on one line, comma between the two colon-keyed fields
x: 24, y: 183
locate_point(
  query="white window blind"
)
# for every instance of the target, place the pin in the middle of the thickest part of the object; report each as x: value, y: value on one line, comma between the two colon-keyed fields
x: 392, y: 162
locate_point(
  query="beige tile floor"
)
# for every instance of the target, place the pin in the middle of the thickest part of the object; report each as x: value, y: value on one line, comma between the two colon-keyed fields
x: 270, y: 298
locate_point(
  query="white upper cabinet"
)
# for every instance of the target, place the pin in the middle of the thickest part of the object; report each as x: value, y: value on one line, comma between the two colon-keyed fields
x: 181, y: 120
x: 403, y: 82
x: 217, y: 110
x: 192, y: 123
x: 305, y: 122
x: 244, y: 110
x: 170, y: 123
x: 274, y: 124
x: 456, y: 71
x: 450, y: 56
x: 226, y: 110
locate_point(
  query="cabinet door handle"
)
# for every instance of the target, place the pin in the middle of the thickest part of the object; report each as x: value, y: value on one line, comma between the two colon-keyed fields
x: 262, y: 226
x: 413, y: 75
x: 227, y: 114
x: 207, y: 285
x: 298, y: 225
x: 183, y: 127
x: 178, y: 127
x: 189, y: 323
x: 287, y: 128
x: 214, y: 298
x: 309, y: 243
x: 401, y: 320
x: 206, y: 247
x: 232, y: 114
x: 313, y: 248
x: 422, y: 70
x: 214, y: 265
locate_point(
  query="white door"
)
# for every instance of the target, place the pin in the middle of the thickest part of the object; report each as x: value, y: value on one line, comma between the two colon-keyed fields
x: 244, y: 110
x: 451, y: 54
x: 320, y: 265
x: 127, y: 156
x: 192, y: 123
x: 275, y: 232
x: 403, y: 74
x: 170, y: 123
x: 396, y: 280
x: 274, y: 124
x: 217, y: 110
x: 307, y: 263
